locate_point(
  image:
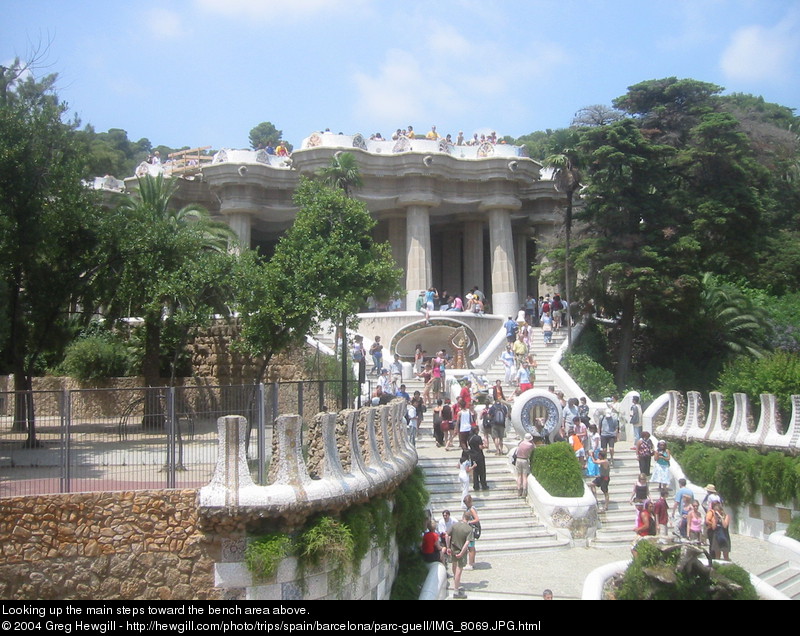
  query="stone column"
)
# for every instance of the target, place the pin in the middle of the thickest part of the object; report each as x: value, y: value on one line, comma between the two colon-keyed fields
x: 240, y: 223
x: 418, y: 243
x: 473, y: 257
x: 521, y: 264
x: 397, y: 238
x: 504, y: 288
x: 418, y: 252
x: 451, y: 264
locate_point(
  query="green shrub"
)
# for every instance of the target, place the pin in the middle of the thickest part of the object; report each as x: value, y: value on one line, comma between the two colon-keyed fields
x: 739, y: 575
x: 733, y: 476
x: 96, y: 357
x: 593, y: 342
x: 793, y: 531
x: 381, y: 516
x: 778, y: 477
x: 263, y: 555
x: 558, y: 471
x: 359, y: 521
x: 658, y: 380
x: 590, y: 376
x: 777, y: 373
x: 699, y: 462
x: 326, y: 538
x: 738, y: 474
x: 636, y: 585
x: 410, y: 502
x: 411, y: 575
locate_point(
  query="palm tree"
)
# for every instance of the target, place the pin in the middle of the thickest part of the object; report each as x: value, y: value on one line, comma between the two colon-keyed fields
x: 342, y: 173
x: 567, y: 180
x: 156, y: 246
x: 730, y: 318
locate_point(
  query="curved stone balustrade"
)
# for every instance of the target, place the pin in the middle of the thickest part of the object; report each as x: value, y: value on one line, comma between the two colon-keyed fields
x: 353, y: 456
x: 230, y: 155
x: 405, y: 144
x: 690, y: 423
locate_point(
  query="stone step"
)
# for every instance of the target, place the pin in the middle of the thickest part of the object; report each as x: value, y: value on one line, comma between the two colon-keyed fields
x: 544, y: 542
x: 483, y: 505
x: 784, y: 577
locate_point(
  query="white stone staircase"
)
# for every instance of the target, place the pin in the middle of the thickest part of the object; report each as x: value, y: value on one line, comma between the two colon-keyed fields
x: 784, y: 577
x: 617, y: 523
x: 508, y: 523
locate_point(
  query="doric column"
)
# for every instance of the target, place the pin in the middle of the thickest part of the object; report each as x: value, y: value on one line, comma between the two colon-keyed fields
x: 397, y: 238
x: 504, y: 285
x: 240, y: 223
x: 418, y: 243
x: 473, y: 256
x: 418, y: 252
x: 452, y: 280
x: 521, y: 264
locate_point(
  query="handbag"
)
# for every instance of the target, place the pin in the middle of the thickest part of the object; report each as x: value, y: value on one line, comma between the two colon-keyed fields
x: 476, y: 530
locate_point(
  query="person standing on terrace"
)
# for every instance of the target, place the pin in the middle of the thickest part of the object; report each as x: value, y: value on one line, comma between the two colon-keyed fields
x: 432, y: 134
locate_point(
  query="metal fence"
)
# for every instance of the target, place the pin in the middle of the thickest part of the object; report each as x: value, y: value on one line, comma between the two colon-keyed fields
x: 89, y: 440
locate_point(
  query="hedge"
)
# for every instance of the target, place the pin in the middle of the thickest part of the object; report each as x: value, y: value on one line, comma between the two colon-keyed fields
x: 558, y: 471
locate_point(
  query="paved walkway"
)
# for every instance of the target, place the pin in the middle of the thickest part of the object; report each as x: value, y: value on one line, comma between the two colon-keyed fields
x: 510, y: 576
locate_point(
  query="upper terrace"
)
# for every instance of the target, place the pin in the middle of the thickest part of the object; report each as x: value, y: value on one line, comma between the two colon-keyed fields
x: 190, y: 162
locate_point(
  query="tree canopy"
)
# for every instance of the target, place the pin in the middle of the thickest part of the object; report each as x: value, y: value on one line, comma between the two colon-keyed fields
x: 164, y: 265
x: 265, y: 134
x: 323, y: 268
x: 690, y: 182
x: 48, y: 229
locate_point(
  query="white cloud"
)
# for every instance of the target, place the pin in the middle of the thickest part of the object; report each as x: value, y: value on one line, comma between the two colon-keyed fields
x: 759, y: 53
x: 447, y: 76
x: 164, y: 24
x: 400, y: 91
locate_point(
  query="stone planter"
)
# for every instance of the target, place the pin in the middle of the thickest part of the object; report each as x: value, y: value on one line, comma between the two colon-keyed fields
x: 572, y: 517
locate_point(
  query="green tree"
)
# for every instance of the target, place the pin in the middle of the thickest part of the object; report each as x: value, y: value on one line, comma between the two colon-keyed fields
x: 632, y: 252
x: 731, y: 321
x: 669, y: 108
x: 330, y: 259
x: 265, y: 134
x: 165, y: 265
x: 273, y: 316
x: 342, y: 173
x: 48, y: 229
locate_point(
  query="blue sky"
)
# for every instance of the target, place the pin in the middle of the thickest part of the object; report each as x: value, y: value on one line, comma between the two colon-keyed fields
x: 204, y: 72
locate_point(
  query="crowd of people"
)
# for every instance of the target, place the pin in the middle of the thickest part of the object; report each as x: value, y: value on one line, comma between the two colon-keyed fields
x: 696, y: 522
x: 433, y: 134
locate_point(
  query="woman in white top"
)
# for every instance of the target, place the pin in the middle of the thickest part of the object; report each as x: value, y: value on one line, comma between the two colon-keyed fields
x: 466, y: 416
x: 465, y: 468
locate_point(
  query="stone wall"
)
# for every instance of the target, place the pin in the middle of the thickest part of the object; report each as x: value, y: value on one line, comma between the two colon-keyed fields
x: 105, y: 545
x: 212, y: 357
x: 371, y: 579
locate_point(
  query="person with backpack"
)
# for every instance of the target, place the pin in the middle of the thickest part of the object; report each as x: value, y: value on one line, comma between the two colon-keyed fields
x: 609, y: 431
x: 498, y: 414
x: 511, y: 330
